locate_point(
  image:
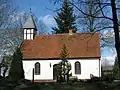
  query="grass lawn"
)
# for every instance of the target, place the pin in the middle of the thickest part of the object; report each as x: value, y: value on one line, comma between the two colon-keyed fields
x: 81, y: 86
x: 78, y: 86
x: 100, y: 85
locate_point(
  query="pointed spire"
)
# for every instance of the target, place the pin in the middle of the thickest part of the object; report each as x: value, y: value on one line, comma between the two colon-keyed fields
x: 30, y: 23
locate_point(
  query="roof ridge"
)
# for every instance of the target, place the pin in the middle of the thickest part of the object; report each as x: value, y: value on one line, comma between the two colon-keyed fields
x: 67, y: 34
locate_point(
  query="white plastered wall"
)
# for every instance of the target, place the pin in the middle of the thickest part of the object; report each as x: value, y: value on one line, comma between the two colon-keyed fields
x: 88, y: 66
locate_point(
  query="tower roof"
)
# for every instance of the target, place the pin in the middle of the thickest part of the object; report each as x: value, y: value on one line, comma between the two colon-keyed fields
x: 30, y: 23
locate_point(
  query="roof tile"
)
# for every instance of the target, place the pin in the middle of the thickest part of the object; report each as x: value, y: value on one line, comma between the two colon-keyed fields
x: 82, y: 45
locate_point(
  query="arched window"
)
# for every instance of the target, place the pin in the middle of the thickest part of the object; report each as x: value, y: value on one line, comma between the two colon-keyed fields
x: 77, y: 68
x: 37, y: 68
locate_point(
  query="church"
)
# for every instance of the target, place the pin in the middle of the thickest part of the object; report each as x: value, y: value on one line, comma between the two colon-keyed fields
x: 42, y: 52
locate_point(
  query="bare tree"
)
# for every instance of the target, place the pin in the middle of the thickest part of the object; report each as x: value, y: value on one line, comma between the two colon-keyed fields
x: 91, y: 24
x: 106, y: 7
x: 11, y: 31
x: 42, y: 28
x: 6, y: 10
x: 12, y: 36
x: 114, y: 19
x: 9, y: 40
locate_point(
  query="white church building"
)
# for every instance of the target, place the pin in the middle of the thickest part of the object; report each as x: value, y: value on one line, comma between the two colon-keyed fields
x: 42, y: 52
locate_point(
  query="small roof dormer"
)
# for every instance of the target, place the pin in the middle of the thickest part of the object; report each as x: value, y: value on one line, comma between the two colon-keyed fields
x: 30, y: 24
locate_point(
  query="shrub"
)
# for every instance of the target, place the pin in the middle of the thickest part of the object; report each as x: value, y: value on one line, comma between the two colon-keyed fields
x: 116, y: 69
x: 16, y: 71
x: 108, y: 78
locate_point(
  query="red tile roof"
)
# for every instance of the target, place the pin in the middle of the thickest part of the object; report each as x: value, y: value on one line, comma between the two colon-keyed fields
x: 81, y: 45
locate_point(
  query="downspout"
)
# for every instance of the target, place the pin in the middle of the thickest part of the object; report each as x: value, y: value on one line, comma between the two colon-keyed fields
x: 99, y: 68
x: 33, y: 76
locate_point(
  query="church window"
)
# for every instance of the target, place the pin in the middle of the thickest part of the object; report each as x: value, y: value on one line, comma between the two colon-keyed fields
x: 77, y: 68
x: 37, y: 68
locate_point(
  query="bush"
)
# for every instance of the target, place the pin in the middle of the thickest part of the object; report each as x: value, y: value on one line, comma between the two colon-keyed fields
x: 95, y: 79
x: 24, y: 81
x: 72, y: 79
x: 108, y: 78
x: 30, y: 87
x: 116, y: 69
x: 4, y: 88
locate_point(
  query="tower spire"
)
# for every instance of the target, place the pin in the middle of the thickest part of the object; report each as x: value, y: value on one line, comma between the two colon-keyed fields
x: 29, y: 27
x: 30, y: 11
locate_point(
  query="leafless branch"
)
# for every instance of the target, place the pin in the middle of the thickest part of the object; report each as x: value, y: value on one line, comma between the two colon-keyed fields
x: 90, y: 14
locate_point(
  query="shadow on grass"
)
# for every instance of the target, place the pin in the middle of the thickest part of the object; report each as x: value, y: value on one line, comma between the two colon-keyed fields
x: 64, y: 86
x: 28, y: 85
x: 80, y: 86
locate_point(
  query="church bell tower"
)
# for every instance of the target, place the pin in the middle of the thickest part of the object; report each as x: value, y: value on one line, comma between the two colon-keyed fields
x: 29, y: 28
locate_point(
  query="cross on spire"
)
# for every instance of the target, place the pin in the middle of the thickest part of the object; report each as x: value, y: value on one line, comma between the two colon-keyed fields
x: 30, y: 11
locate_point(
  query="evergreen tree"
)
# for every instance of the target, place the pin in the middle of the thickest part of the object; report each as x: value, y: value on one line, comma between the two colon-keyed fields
x: 65, y: 19
x: 64, y: 53
x: 16, y: 71
x: 64, y: 67
x: 116, y: 69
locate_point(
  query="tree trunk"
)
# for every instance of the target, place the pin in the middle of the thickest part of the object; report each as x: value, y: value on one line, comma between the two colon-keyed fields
x: 116, y: 29
x: 4, y: 72
x: 64, y: 71
x: 0, y: 70
x: 68, y: 75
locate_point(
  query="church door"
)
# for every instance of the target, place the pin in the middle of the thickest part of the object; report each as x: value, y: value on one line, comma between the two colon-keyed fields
x: 55, y: 72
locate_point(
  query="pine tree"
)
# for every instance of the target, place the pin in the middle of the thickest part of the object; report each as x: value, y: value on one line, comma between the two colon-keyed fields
x: 65, y: 19
x: 64, y: 52
x: 16, y: 71
x: 64, y: 67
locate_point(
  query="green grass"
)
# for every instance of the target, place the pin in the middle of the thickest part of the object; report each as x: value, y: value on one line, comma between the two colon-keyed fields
x: 68, y: 87
x: 72, y: 86
x: 77, y: 86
